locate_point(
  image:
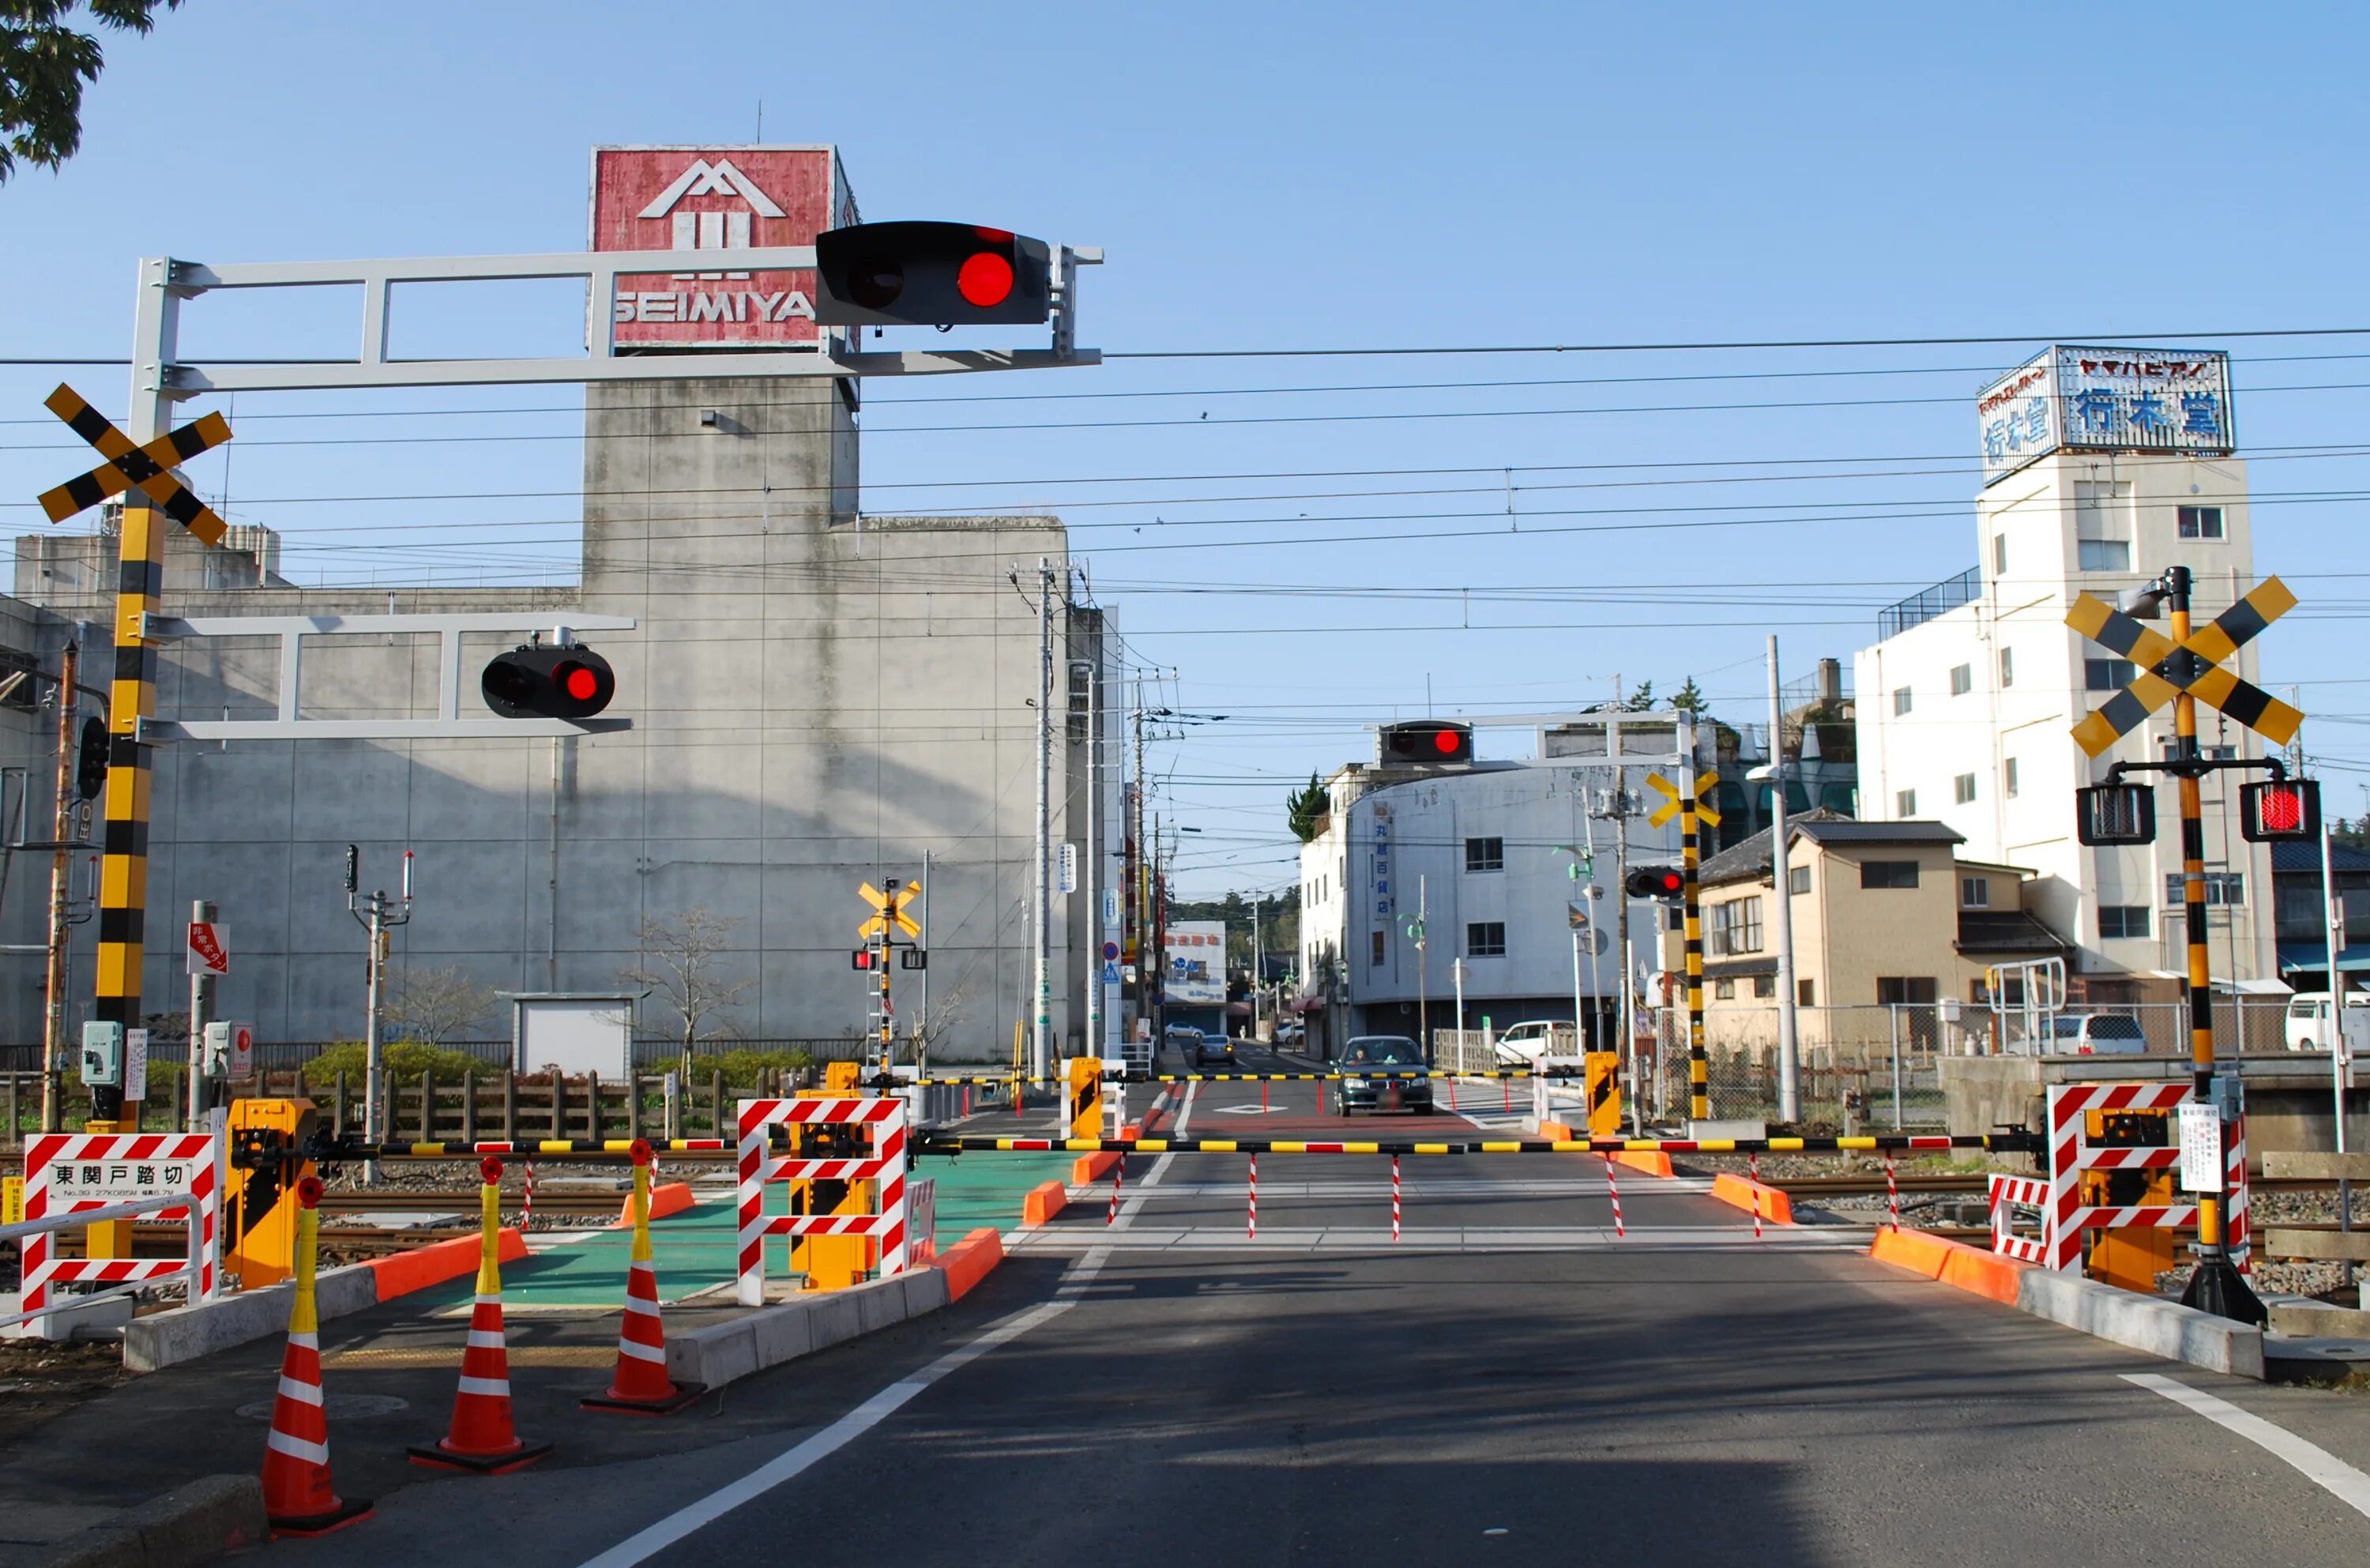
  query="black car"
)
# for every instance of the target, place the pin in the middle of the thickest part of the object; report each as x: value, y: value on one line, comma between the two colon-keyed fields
x: 1390, y: 1081
x: 1212, y: 1050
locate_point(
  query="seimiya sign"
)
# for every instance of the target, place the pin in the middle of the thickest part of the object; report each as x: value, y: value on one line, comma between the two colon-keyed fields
x: 709, y: 202
x: 2084, y: 399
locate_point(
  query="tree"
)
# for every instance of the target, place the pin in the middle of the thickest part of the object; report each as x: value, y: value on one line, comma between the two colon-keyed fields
x: 433, y: 1006
x: 684, y: 960
x: 44, y: 64
x: 1302, y: 808
x: 1690, y: 698
x: 1641, y: 700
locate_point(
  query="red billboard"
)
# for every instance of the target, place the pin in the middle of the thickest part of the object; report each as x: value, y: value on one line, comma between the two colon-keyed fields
x: 707, y: 202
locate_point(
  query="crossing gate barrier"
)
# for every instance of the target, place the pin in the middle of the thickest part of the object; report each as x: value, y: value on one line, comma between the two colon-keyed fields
x: 67, y: 1173
x: 882, y: 1121
x: 2064, y: 1215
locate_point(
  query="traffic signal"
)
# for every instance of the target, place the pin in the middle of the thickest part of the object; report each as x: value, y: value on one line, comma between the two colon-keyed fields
x: 91, y: 764
x: 2280, y: 810
x: 2115, y: 813
x: 862, y: 958
x: 533, y: 682
x: 931, y: 274
x: 1427, y: 741
x: 1655, y: 882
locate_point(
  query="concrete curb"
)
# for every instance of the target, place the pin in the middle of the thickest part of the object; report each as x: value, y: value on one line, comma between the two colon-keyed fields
x: 187, y: 1525
x: 185, y: 1334
x: 2104, y: 1311
x: 769, y: 1337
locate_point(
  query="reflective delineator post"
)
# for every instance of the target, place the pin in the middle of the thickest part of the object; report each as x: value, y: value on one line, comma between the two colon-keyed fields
x: 1395, y: 1197
x: 1251, y: 1222
x: 1612, y: 1190
x: 641, y: 1386
x: 298, y: 1498
x: 482, y: 1438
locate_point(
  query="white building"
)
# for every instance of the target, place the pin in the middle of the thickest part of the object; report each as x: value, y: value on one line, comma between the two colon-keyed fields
x: 1966, y: 705
x: 1485, y: 850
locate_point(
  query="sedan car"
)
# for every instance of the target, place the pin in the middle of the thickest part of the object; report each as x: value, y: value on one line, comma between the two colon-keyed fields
x: 1387, y: 1084
x: 1212, y: 1050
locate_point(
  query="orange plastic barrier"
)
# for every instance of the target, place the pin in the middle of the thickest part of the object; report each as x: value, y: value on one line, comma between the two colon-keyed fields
x: 436, y: 1262
x: 1953, y: 1264
x: 1743, y: 1193
x: 968, y: 1260
x: 1093, y: 1167
x: 1653, y: 1163
x: 1044, y: 1202
x: 667, y: 1199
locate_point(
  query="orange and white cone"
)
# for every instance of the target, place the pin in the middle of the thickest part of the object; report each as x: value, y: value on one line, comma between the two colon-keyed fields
x: 641, y: 1386
x: 482, y: 1439
x: 298, y: 1499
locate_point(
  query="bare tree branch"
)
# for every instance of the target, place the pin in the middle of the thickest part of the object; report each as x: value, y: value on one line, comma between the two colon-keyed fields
x: 433, y: 1006
x: 683, y: 963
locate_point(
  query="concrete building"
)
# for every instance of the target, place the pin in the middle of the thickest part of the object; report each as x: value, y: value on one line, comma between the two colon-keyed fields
x: 820, y: 698
x: 1967, y: 699
x: 1486, y: 850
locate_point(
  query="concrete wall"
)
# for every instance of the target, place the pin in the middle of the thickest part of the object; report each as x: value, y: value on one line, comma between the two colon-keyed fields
x: 817, y: 701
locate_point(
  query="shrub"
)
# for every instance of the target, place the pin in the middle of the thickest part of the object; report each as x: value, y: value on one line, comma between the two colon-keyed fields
x: 404, y: 1059
x: 741, y: 1067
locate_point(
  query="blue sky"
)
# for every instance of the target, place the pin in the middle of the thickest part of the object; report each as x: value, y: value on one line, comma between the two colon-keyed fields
x: 1319, y: 175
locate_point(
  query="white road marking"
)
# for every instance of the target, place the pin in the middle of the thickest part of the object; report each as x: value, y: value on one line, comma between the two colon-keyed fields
x: 1446, y: 1239
x: 2317, y: 1464
x: 1128, y: 1210
x: 802, y: 1457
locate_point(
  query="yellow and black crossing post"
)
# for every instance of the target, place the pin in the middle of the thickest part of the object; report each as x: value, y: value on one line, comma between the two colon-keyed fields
x: 142, y: 474
x: 2183, y: 668
x: 1695, y: 812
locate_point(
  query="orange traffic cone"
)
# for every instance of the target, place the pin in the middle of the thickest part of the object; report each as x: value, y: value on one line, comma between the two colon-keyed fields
x: 641, y: 1386
x: 482, y: 1438
x: 298, y: 1499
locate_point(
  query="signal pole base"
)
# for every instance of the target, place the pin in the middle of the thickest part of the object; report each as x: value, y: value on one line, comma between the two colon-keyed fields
x: 2218, y: 1288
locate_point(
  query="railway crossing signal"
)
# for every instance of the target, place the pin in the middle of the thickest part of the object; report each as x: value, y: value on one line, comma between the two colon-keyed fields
x: 90, y: 760
x: 931, y: 274
x: 1427, y: 741
x: 2185, y: 668
x: 889, y: 909
x: 1693, y: 807
x: 563, y: 681
x: 1655, y: 882
x: 149, y: 468
x: 1704, y: 784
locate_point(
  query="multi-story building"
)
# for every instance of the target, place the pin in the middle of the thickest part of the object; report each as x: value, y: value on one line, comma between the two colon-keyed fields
x: 2103, y: 468
x: 1484, y: 853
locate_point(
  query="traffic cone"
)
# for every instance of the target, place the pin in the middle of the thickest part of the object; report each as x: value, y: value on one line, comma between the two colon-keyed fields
x: 482, y: 1439
x: 298, y: 1499
x: 641, y: 1386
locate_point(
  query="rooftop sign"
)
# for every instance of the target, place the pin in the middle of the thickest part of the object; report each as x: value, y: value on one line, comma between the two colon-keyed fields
x: 2092, y: 399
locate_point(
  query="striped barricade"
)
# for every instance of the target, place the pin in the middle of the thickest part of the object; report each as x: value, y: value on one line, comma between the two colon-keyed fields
x: 70, y: 1173
x: 885, y: 1122
x: 2064, y: 1217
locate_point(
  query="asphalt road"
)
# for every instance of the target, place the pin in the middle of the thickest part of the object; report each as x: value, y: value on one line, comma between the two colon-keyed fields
x: 1681, y: 1394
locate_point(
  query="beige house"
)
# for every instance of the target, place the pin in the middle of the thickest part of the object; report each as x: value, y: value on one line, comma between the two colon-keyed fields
x: 1884, y: 913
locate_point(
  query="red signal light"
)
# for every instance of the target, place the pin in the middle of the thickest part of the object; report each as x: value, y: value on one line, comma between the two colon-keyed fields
x: 579, y: 682
x: 863, y: 957
x: 984, y: 280
x: 1445, y: 742
x: 2282, y: 810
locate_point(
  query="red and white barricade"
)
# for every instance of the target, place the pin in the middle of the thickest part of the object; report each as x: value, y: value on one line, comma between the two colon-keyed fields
x: 2058, y: 1197
x: 884, y: 1123
x: 70, y: 1173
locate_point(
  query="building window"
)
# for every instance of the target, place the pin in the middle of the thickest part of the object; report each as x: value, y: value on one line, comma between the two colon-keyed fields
x: 2107, y: 674
x: 1805, y: 993
x: 1723, y: 990
x: 1905, y: 803
x: 1485, y: 939
x: 1963, y: 679
x: 2223, y: 889
x: 2008, y: 667
x: 1485, y: 854
x: 1974, y: 893
x: 1962, y: 789
x: 1999, y: 555
x: 2122, y: 920
x: 2103, y: 527
x: 1901, y: 701
x: 2007, y: 778
x: 1765, y: 987
x: 1888, y: 874
x: 2199, y: 522
x: 1378, y: 947
x: 1905, y: 991
x: 1797, y: 879
x: 1736, y: 926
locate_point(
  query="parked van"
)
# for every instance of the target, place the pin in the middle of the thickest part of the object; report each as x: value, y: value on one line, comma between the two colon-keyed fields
x: 2096, y: 1034
x: 2307, y: 1025
x: 1523, y: 1043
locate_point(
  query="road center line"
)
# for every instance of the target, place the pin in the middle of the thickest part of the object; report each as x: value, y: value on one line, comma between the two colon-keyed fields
x: 2325, y: 1470
x: 787, y: 1466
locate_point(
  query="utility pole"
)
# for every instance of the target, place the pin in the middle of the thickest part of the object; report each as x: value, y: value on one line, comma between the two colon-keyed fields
x: 1041, y: 1036
x: 1616, y: 807
x: 2339, y: 1057
x: 378, y: 914
x: 1094, y: 854
x: 1422, y: 940
x: 201, y: 1012
x: 1790, y: 1064
x: 53, y: 1013
x: 922, y: 1009
x: 1139, y: 902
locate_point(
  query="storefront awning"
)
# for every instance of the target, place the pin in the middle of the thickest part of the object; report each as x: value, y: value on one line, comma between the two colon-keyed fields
x: 2354, y: 960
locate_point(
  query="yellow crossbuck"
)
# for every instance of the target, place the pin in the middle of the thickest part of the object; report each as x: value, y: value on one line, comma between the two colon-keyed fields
x: 147, y: 467
x: 2194, y: 665
x: 1705, y: 783
x: 892, y: 908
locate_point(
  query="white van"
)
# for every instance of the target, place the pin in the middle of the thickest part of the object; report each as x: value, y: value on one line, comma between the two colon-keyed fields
x: 1523, y: 1043
x: 2096, y: 1034
x: 2307, y: 1025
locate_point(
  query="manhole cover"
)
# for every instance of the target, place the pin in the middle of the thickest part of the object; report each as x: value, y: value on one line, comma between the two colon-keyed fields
x: 337, y: 1407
